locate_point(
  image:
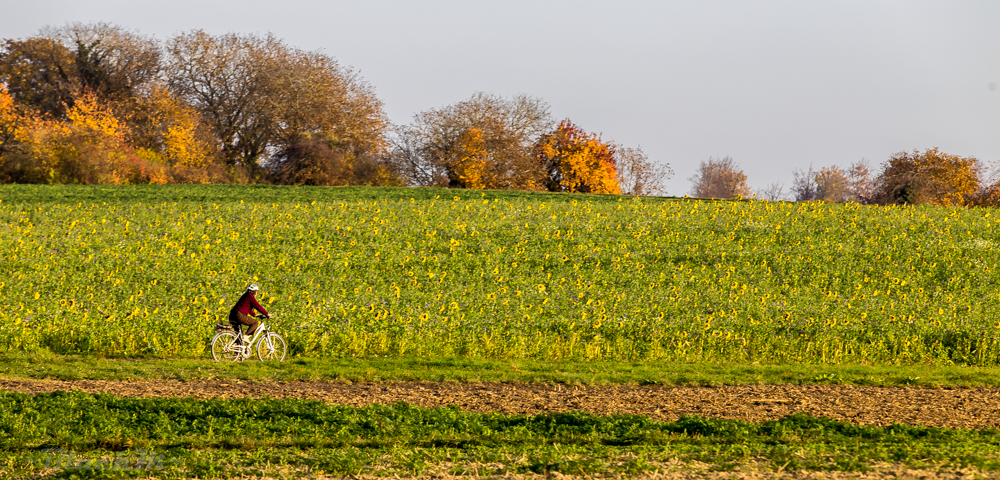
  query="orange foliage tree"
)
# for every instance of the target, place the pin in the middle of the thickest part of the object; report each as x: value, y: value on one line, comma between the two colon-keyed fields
x: 174, y: 133
x: 21, y: 129
x: 11, y: 121
x: 199, y: 109
x: 931, y: 177
x: 90, y: 143
x: 90, y: 146
x: 575, y: 161
x: 832, y: 185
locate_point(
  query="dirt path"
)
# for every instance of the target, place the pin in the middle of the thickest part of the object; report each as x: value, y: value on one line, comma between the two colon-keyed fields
x: 968, y: 407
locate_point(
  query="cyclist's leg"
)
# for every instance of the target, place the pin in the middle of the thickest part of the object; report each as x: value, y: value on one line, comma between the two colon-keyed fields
x: 239, y: 333
x: 252, y: 327
x: 236, y: 320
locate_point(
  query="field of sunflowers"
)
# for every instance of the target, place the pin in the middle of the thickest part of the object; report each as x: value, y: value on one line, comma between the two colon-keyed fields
x: 363, y: 272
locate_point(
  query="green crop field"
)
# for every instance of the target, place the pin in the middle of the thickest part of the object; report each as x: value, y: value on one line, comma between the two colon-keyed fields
x: 356, y: 272
x: 100, y: 436
x: 428, y: 284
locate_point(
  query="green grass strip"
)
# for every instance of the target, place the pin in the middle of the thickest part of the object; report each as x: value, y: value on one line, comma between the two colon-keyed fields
x: 208, y: 438
x: 69, y: 367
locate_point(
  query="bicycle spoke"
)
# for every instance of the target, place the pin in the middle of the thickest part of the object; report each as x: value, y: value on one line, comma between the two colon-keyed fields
x: 271, y: 347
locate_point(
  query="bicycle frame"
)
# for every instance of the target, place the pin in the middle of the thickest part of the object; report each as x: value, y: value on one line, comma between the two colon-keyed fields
x: 248, y: 346
x: 268, y: 345
x: 267, y: 339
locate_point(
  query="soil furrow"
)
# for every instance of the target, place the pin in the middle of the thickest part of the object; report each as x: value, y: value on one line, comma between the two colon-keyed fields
x: 974, y: 408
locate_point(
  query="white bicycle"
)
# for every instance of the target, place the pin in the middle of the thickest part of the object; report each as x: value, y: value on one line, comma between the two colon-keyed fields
x: 267, y: 344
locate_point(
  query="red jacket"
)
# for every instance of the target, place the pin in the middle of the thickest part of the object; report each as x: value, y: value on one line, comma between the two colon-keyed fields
x: 247, y: 303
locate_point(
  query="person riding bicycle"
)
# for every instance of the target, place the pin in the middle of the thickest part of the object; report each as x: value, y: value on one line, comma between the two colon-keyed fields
x: 242, y: 313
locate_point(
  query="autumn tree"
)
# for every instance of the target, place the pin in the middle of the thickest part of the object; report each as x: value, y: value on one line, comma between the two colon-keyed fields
x: 637, y: 175
x: 123, y: 70
x: 310, y: 162
x: 832, y: 185
x: 249, y: 102
x: 260, y: 96
x: 574, y: 161
x: 11, y: 121
x: 931, y: 177
x: 48, y: 72
x: 988, y: 193
x: 225, y: 78
x: 860, y: 182
x: 486, y: 141
x: 773, y: 192
x: 16, y: 123
x: 719, y: 178
x: 40, y: 73
x: 118, y: 70
x: 988, y: 196
x: 835, y: 184
x: 89, y: 146
x: 804, y: 185
x: 321, y: 162
x: 111, y: 62
x: 313, y: 95
x: 175, y: 134
x: 93, y: 146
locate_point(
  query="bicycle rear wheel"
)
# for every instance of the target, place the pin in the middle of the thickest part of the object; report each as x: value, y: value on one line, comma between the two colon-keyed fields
x: 225, y: 348
x: 271, y: 347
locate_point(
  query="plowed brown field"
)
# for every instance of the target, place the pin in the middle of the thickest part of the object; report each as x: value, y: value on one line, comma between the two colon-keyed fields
x: 968, y: 407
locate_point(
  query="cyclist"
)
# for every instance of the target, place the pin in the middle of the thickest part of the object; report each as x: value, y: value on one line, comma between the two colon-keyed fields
x: 242, y: 313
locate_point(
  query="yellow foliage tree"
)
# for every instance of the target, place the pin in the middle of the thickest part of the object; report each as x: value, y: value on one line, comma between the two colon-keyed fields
x: 178, y: 133
x: 472, y: 157
x: 575, y: 161
x: 90, y: 146
x: 90, y: 117
x: 832, y: 185
x: 931, y: 177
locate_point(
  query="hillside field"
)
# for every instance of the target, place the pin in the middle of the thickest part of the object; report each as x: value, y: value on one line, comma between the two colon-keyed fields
x: 147, y: 271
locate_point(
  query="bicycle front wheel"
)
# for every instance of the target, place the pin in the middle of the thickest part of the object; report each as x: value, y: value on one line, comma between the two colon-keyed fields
x: 224, y: 348
x: 272, y: 347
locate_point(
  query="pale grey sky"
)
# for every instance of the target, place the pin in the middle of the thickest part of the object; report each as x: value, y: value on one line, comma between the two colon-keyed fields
x: 775, y: 85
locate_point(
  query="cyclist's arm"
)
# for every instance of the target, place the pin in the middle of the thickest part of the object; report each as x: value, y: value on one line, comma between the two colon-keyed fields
x: 257, y: 306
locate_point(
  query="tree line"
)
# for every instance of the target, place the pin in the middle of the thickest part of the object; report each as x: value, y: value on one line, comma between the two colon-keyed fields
x: 928, y: 177
x: 101, y: 104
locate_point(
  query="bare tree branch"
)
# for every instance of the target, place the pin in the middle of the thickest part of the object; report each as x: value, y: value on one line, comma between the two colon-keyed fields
x: 639, y: 176
x: 719, y: 178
